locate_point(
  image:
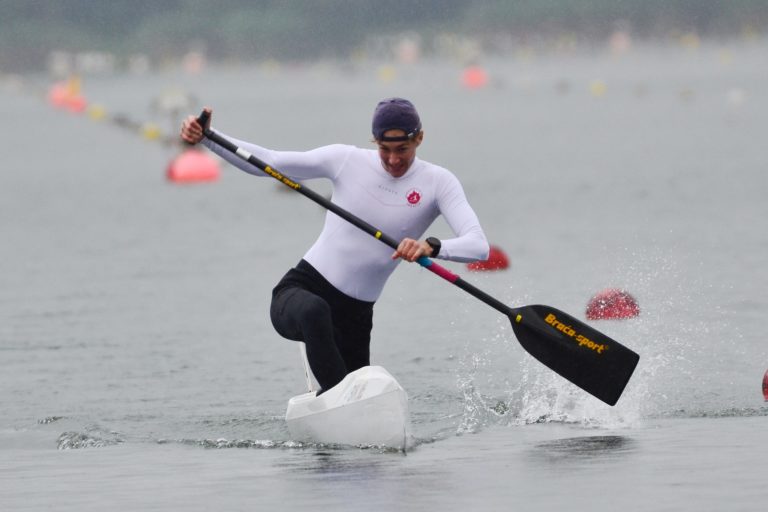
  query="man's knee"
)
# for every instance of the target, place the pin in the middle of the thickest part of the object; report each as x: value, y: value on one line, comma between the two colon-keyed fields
x: 315, y: 312
x: 297, y: 313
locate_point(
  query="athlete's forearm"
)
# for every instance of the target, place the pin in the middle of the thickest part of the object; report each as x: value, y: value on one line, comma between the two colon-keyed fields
x: 470, y: 243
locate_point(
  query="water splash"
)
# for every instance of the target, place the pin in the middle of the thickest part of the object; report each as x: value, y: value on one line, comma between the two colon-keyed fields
x: 676, y: 320
x: 475, y: 406
x: 77, y: 440
x: 683, y: 335
x: 544, y: 397
x: 480, y: 377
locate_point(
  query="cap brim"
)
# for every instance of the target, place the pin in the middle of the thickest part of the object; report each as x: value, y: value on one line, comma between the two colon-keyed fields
x: 399, y: 138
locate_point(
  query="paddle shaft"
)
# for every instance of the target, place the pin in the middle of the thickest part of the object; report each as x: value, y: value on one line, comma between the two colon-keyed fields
x: 351, y: 218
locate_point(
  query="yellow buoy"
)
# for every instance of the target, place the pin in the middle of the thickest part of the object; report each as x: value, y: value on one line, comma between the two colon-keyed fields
x: 690, y: 41
x: 150, y: 131
x: 597, y: 88
x: 97, y: 112
x: 386, y: 73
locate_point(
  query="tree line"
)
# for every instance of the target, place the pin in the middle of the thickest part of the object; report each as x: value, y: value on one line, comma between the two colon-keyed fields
x: 309, y: 29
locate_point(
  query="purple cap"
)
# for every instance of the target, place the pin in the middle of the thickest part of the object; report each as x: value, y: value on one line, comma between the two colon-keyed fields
x: 395, y: 114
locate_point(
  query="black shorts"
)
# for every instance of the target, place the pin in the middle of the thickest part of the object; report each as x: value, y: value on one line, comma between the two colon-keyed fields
x: 351, y: 319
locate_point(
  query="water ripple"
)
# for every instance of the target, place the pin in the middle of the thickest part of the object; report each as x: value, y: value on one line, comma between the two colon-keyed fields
x: 270, y: 444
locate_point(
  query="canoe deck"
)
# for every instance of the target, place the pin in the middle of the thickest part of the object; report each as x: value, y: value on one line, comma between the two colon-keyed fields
x: 367, y: 408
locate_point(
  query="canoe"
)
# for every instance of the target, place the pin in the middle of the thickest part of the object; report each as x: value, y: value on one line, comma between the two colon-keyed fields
x: 368, y: 408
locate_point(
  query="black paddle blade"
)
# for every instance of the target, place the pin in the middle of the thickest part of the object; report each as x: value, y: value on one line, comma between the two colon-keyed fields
x: 591, y: 360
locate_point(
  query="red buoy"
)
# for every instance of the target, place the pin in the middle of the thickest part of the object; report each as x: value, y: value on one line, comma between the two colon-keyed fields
x: 58, y: 95
x: 76, y: 104
x: 192, y: 166
x: 612, y: 304
x: 497, y: 260
x: 474, y: 77
x: 765, y: 386
x: 67, y: 95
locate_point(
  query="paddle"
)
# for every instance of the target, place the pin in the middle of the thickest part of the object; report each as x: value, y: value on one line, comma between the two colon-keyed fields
x: 589, y: 359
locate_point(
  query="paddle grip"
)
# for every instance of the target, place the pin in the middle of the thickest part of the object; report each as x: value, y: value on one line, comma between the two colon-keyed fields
x: 203, y: 119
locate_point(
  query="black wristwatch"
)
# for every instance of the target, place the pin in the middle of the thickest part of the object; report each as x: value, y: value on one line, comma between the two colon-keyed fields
x: 435, y: 244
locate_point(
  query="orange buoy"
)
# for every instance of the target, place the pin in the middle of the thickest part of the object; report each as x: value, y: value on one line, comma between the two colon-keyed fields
x: 474, y: 77
x: 765, y: 386
x: 612, y: 304
x: 497, y: 260
x: 192, y: 166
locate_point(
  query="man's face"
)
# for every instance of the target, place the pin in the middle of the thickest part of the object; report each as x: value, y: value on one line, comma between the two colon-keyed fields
x: 397, y: 156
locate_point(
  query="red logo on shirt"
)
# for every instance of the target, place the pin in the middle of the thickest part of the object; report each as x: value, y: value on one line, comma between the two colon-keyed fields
x: 413, y: 196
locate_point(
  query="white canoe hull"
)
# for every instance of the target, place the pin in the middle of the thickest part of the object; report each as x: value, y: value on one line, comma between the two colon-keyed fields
x: 368, y: 407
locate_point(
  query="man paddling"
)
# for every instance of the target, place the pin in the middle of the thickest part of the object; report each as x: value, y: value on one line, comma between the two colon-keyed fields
x: 327, y: 300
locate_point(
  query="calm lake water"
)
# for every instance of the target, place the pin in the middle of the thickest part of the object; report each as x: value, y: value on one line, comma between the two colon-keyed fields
x: 140, y: 370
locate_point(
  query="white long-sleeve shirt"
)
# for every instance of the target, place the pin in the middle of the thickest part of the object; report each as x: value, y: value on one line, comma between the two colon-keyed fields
x: 351, y: 260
